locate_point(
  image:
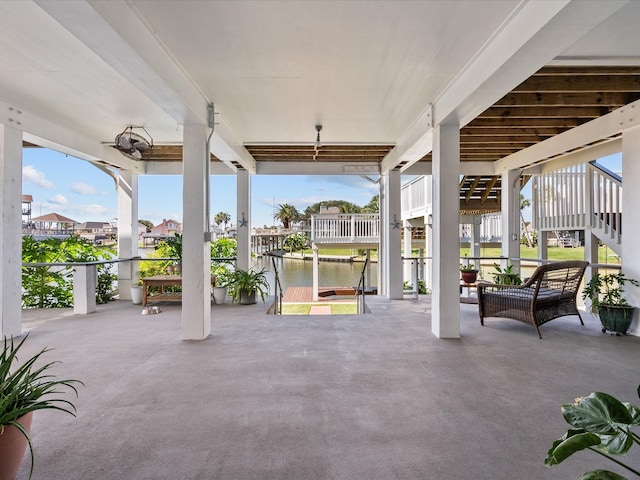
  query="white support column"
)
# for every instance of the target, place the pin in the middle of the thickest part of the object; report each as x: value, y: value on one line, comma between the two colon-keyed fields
x: 10, y: 231
x: 382, y: 245
x: 127, y: 231
x: 196, y: 253
x: 407, y: 265
x: 511, y: 216
x: 630, y: 205
x: 445, y: 307
x: 543, y: 245
x: 315, y: 282
x: 475, y: 236
x: 85, y: 281
x: 428, y: 252
x: 243, y: 180
x: 391, y: 232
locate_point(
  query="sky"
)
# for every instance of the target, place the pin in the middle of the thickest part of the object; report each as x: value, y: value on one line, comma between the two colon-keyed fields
x: 78, y: 190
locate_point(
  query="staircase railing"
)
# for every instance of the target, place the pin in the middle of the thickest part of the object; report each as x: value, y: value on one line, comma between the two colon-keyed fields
x: 360, y: 290
x: 605, y: 209
x: 278, y: 294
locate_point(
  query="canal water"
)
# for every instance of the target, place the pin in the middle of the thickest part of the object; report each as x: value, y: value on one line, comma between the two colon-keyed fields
x: 299, y: 273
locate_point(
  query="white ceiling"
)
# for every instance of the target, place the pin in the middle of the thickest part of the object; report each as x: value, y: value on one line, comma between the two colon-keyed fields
x: 367, y: 71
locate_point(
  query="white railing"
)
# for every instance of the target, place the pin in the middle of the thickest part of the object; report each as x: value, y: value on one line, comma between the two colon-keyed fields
x: 345, y: 228
x: 605, y: 209
x: 416, y: 197
x: 560, y: 199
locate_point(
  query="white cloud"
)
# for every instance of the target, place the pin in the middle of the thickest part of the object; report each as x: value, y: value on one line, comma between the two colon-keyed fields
x: 58, y: 200
x: 83, y: 189
x: 33, y: 176
x: 94, y: 209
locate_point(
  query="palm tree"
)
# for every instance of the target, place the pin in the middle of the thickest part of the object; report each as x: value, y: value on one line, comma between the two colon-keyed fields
x: 524, y: 203
x: 222, y: 217
x: 286, y: 213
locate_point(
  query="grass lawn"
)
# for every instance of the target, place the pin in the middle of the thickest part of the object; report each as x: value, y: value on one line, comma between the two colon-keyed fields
x: 605, y: 254
x: 304, y: 308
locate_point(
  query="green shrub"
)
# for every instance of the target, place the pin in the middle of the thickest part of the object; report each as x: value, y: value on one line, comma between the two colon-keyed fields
x: 52, y: 286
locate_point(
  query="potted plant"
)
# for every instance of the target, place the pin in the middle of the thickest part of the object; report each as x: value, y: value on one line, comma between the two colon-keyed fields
x: 605, y: 291
x: 506, y: 275
x: 23, y: 390
x: 600, y: 423
x: 469, y: 273
x: 136, y: 289
x: 244, y: 284
x: 221, y: 286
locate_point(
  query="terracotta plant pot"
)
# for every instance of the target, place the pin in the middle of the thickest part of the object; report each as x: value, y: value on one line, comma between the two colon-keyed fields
x: 12, y: 447
x: 469, y: 277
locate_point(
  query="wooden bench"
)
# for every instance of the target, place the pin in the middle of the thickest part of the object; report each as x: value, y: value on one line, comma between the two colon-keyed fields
x: 549, y: 293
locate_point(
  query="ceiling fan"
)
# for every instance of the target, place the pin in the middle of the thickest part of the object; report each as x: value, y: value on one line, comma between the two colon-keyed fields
x: 132, y: 144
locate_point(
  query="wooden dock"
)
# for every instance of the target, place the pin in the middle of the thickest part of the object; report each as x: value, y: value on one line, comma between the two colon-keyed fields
x: 305, y: 294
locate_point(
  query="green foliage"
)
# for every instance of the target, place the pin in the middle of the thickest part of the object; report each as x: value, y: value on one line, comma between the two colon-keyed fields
x: 248, y: 280
x: 422, y: 287
x: 296, y: 241
x: 156, y: 267
x: 29, y: 388
x: 222, y: 217
x: 147, y: 224
x: 287, y: 213
x: 50, y: 287
x: 506, y: 275
x: 607, y: 290
x: 373, y: 206
x: 343, y: 206
x: 172, y: 246
x: 467, y: 266
x: 224, y: 248
x: 601, y: 423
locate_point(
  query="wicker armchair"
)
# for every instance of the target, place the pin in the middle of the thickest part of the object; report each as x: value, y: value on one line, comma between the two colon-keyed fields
x: 549, y: 293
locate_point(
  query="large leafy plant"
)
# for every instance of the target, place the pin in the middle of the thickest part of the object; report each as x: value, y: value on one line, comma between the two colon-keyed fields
x: 506, y: 275
x: 607, y: 290
x: 603, y: 424
x: 29, y: 387
x: 248, y: 280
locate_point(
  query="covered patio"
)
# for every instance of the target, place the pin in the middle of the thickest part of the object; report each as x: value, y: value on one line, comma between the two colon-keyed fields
x: 375, y: 396
x: 504, y: 89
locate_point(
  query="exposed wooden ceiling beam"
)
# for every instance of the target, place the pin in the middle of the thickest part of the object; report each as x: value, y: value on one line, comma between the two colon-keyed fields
x: 579, y: 83
x: 580, y: 99
x: 545, y: 112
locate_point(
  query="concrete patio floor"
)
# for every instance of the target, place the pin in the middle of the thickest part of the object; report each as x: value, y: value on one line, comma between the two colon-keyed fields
x: 318, y: 397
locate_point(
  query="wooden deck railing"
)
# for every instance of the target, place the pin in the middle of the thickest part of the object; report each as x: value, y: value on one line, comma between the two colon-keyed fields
x: 345, y: 228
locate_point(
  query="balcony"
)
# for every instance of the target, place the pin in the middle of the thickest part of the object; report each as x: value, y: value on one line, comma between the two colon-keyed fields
x: 362, y: 229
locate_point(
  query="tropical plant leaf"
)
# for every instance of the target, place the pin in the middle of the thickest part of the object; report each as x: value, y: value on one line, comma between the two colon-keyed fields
x: 602, y: 475
x: 571, y: 442
x: 635, y: 413
x: 598, y: 413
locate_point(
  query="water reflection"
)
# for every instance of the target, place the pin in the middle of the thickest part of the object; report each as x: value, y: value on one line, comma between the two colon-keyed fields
x: 299, y: 273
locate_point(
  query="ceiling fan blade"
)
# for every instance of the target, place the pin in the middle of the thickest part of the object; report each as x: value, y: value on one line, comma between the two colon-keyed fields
x: 124, y: 142
x: 136, y: 153
x: 141, y: 145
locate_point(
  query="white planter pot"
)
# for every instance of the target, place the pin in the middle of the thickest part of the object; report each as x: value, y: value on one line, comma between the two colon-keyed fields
x: 220, y: 294
x: 136, y: 295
